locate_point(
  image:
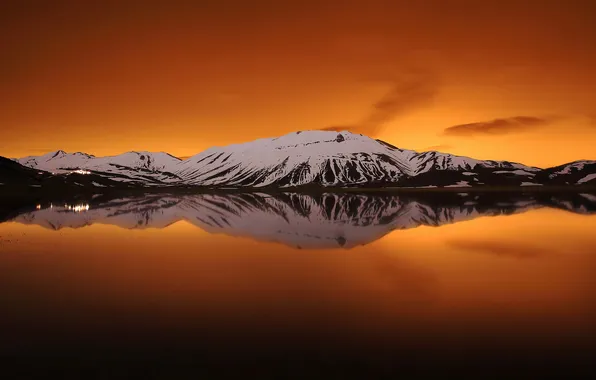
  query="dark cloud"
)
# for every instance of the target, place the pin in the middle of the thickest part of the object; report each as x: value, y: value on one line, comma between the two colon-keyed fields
x: 408, y: 91
x: 499, y: 126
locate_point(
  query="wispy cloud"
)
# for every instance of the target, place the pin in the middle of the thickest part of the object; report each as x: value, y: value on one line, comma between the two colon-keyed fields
x: 408, y: 91
x: 520, y: 251
x: 499, y: 126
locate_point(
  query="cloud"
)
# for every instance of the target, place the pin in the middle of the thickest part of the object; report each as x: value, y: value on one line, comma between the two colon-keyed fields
x: 520, y: 251
x: 499, y: 126
x: 408, y: 91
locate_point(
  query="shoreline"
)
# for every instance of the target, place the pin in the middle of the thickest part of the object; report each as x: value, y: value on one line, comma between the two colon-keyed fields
x: 7, y: 192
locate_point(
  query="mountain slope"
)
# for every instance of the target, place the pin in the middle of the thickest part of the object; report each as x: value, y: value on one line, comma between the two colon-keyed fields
x: 578, y: 172
x: 18, y: 179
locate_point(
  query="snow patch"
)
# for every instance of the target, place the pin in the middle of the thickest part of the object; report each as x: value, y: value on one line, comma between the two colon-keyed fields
x: 587, y: 178
x: 460, y: 184
x: 516, y: 172
x: 569, y: 168
x: 590, y: 197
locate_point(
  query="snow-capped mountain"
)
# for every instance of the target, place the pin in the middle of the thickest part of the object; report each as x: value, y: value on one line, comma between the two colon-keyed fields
x: 144, y: 167
x: 53, y: 161
x: 298, y: 220
x: 312, y: 158
x: 324, y: 158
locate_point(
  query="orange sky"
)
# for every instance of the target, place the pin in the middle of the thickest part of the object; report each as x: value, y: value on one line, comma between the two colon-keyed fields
x: 179, y: 77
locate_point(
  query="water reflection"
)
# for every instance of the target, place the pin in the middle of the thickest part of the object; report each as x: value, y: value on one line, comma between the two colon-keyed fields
x: 516, y: 288
x: 297, y: 220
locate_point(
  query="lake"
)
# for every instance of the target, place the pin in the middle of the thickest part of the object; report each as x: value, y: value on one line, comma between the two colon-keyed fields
x: 292, y: 285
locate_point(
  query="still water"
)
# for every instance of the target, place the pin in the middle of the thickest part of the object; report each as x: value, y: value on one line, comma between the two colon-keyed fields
x: 296, y: 286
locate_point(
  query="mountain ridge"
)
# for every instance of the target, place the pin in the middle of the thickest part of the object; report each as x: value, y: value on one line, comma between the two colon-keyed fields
x: 306, y: 158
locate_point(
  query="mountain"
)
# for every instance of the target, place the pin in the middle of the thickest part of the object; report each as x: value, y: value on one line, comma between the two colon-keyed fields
x: 136, y: 167
x: 12, y: 172
x: 578, y: 172
x: 313, y: 158
x: 21, y: 180
x: 298, y: 220
x: 343, y: 159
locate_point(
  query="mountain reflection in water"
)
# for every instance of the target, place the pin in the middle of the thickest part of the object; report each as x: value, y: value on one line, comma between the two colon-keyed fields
x: 298, y: 220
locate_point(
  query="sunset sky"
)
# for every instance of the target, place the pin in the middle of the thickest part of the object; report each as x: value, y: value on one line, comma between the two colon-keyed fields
x: 492, y: 79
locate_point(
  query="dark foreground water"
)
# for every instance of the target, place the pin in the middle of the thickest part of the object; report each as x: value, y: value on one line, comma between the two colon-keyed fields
x: 299, y: 286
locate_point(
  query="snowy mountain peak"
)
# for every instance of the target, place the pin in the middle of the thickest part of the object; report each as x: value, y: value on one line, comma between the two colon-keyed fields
x: 319, y: 157
x: 325, y: 158
x: 83, y: 154
x: 54, y: 154
x: 313, y: 139
x: 143, y: 154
